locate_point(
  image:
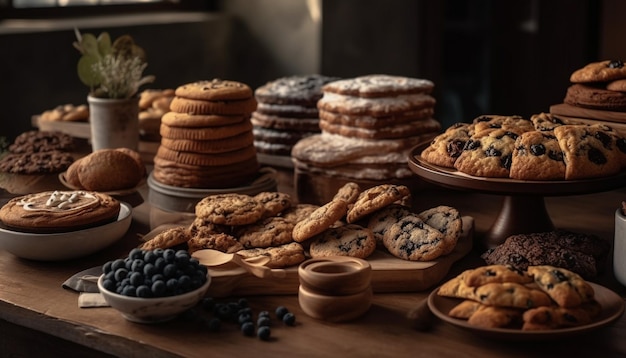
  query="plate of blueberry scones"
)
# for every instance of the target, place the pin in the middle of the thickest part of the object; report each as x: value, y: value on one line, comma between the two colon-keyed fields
x: 544, y: 154
x: 541, y: 302
x: 408, y: 250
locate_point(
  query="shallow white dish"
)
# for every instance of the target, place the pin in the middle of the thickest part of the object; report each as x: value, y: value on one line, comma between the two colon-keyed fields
x: 612, y: 309
x: 66, y: 245
x: 153, y: 310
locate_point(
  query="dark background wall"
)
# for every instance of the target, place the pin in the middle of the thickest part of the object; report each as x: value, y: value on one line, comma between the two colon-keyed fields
x: 485, y: 56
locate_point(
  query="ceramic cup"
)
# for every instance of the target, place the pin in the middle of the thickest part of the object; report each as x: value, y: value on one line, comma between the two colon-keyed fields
x: 619, y: 247
x: 335, y: 289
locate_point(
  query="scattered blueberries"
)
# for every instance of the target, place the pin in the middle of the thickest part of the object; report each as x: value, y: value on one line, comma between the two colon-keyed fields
x: 289, y: 319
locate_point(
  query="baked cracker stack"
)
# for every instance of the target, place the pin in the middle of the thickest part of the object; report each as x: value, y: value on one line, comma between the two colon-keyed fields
x: 206, y: 138
x: 368, y: 125
x: 287, y: 112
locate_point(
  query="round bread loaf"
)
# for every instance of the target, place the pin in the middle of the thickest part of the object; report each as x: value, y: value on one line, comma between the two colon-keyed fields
x: 107, y: 170
x: 59, y: 211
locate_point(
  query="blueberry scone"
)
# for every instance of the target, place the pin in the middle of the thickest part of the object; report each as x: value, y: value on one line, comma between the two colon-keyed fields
x: 553, y: 317
x: 494, y: 273
x: 445, y: 148
x: 488, y: 154
x: 587, y: 151
x: 537, y: 156
x: 511, y: 294
x: 546, y: 122
x: 565, y: 287
x: 514, y: 123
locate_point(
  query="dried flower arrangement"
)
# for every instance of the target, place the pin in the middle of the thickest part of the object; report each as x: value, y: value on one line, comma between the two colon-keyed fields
x: 111, y: 70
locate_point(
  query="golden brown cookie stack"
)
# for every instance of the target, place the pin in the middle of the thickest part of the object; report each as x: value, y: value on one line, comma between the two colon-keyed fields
x: 206, y: 138
x: 368, y: 125
x: 286, y: 112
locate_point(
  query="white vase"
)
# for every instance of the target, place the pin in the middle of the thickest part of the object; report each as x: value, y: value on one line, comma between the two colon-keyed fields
x: 114, y: 123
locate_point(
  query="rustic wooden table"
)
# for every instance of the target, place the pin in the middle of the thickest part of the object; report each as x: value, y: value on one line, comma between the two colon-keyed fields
x: 40, y: 318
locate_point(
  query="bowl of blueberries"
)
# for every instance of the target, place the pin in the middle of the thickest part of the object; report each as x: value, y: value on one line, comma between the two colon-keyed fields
x: 152, y: 286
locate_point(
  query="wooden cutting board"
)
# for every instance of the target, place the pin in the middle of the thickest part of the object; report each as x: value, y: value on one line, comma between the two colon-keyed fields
x: 616, y: 119
x: 389, y: 273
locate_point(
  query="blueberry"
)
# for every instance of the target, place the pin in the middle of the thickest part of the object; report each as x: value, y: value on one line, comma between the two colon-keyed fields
x: 129, y: 290
x: 144, y: 291
x: 264, y: 333
x: 214, y: 324
x: 263, y: 321
x: 243, y: 302
x: 149, y: 257
x: 137, y: 265
x: 245, y: 310
x: 289, y: 319
x: 264, y: 313
x: 169, y: 255
x: 281, y: 311
x: 223, y: 311
x: 106, y: 268
x: 159, y: 264
x: 136, y: 279
x: 118, y: 264
x: 158, y: 288
x: 135, y: 253
x: 108, y: 285
x: 149, y: 270
x: 247, y: 328
x: 184, y: 282
x: 243, y: 318
x: 169, y: 270
x: 120, y: 274
x: 208, y: 303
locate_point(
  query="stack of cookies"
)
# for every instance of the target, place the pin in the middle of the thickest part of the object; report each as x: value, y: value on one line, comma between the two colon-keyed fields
x: 206, y: 138
x: 599, y: 85
x: 153, y: 104
x: 597, y: 93
x: 287, y: 112
x: 368, y: 125
x: 35, y: 160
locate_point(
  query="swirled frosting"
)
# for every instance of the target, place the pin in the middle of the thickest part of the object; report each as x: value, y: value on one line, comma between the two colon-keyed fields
x: 59, y: 201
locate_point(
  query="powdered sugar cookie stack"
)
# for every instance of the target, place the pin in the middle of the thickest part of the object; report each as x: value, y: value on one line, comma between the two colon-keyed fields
x: 368, y: 125
x: 206, y: 138
x: 287, y: 112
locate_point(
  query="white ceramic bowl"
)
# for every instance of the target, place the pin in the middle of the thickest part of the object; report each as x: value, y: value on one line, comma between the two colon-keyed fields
x: 153, y: 310
x: 66, y: 245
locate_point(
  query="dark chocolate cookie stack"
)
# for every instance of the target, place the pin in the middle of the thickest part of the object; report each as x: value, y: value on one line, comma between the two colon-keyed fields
x: 206, y: 138
x: 287, y: 112
x: 583, y: 254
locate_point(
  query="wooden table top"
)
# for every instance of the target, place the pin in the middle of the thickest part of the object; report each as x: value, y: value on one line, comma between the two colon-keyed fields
x: 31, y: 296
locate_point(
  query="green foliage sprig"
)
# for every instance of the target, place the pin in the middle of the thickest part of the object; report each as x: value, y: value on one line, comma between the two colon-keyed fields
x: 111, y: 70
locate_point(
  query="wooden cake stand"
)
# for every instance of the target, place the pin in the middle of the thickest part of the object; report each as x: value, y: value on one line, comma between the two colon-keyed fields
x: 523, y: 210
